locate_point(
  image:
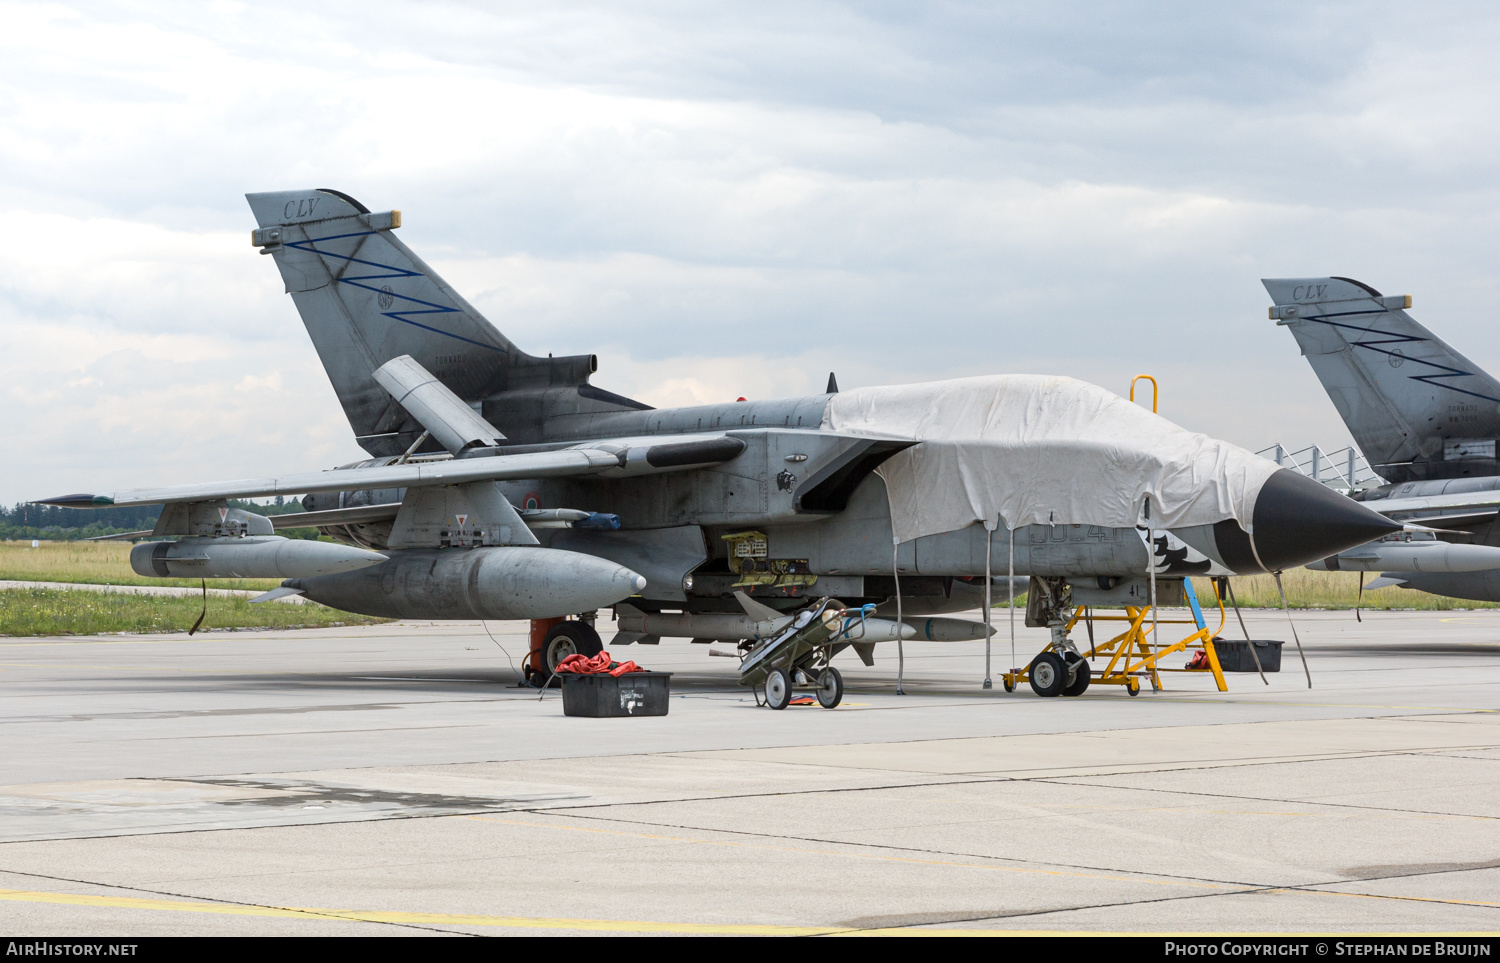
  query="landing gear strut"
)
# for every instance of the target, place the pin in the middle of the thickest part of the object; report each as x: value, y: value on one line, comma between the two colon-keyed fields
x: 1060, y: 670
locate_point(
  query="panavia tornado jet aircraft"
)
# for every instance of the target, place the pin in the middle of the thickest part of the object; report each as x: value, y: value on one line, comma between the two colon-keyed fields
x: 1425, y: 417
x: 503, y: 485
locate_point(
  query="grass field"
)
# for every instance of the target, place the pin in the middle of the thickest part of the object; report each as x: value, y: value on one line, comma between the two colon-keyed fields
x: 102, y: 563
x: 1306, y: 589
x: 30, y: 612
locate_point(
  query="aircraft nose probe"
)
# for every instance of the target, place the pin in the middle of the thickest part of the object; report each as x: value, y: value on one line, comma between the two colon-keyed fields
x: 1295, y: 521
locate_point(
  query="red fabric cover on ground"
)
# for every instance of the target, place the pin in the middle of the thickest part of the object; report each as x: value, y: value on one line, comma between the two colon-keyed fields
x: 585, y: 665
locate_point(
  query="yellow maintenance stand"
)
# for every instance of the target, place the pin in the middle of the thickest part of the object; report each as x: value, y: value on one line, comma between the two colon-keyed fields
x: 1134, y: 655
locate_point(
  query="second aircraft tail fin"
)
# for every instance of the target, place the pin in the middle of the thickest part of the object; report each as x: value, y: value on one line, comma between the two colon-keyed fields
x: 1416, y: 407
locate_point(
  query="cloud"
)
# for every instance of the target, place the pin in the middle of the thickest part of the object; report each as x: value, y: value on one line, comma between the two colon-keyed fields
x: 724, y: 200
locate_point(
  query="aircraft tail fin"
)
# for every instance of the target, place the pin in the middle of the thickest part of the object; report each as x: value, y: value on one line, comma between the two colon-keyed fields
x: 365, y: 299
x: 1415, y: 406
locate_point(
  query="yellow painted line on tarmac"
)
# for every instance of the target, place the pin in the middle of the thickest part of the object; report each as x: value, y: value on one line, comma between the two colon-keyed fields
x: 848, y: 855
x: 595, y: 925
x: 463, y: 919
x: 431, y: 919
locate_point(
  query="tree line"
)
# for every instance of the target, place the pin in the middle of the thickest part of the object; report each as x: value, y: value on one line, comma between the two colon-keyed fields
x: 66, y: 524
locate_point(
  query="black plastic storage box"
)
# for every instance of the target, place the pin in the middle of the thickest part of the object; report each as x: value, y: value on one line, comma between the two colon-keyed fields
x: 604, y: 695
x: 1236, y: 657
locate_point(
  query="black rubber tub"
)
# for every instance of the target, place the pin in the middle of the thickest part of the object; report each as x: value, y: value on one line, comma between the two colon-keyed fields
x: 604, y: 696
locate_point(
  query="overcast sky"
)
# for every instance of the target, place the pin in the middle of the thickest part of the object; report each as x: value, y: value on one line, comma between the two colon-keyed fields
x: 725, y: 200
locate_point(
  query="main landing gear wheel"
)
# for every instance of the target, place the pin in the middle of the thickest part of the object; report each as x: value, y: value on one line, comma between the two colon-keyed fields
x: 831, y: 692
x: 1081, y: 677
x: 1048, y: 674
x: 778, y: 689
x: 569, y: 638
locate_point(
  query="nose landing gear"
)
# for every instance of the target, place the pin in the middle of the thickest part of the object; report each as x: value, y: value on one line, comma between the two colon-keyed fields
x: 1134, y: 656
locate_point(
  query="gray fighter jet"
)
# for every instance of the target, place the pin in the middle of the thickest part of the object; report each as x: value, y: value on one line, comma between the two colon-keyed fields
x: 1426, y: 419
x: 505, y: 485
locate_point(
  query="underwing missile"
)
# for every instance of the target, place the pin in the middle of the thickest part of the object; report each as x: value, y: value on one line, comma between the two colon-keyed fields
x: 697, y: 625
x: 728, y: 626
x: 253, y: 556
x: 947, y: 630
x: 875, y: 630
x: 1423, y: 556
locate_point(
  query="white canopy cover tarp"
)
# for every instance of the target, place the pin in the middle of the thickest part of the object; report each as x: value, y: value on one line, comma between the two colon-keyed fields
x: 1037, y: 450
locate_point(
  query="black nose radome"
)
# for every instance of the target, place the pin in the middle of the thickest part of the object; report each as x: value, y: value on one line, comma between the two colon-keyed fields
x: 1298, y: 521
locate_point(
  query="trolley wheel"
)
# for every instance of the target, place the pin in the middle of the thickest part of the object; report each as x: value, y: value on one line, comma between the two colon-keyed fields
x: 1010, y: 686
x: 1048, y: 674
x: 569, y: 638
x: 778, y: 689
x: 831, y: 692
x: 1133, y: 687
x: 1081, y: 678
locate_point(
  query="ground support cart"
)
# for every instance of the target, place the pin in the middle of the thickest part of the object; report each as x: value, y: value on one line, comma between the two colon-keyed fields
x: 797, y: 657
x: 1061, y: 669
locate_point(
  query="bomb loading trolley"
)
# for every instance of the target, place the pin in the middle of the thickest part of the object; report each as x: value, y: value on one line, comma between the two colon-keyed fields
x: 797, y: 657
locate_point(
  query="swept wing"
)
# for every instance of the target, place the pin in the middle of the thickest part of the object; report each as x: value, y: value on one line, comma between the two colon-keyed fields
x: 617, y: 458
